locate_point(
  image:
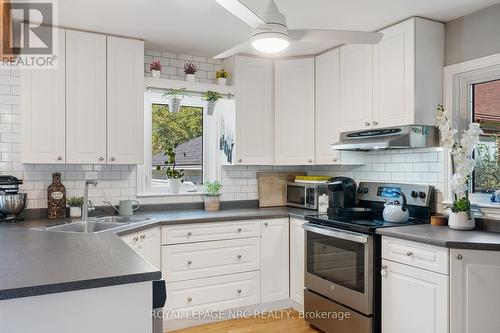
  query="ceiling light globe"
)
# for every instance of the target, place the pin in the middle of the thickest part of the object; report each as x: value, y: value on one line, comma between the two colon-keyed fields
x: 270, y: 44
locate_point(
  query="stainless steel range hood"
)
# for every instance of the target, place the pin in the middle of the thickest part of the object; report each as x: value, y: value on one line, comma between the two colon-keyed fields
x: 411, y: 136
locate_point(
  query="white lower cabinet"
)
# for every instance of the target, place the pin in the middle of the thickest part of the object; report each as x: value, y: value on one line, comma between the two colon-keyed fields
x: 297, y: 262
x: 475, y: 293
x: 414, y: 299
x: 147, y: 244
x: 274, y: 260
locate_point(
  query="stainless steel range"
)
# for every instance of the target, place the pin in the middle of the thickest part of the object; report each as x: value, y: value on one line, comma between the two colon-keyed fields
x: 343, y: 253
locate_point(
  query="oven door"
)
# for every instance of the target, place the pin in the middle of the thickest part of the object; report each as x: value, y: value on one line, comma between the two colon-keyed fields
x: 339, y: 265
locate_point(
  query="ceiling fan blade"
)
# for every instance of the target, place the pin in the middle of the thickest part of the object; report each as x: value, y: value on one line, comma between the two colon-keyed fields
x: 235, y: 50
x: 335, y: 36
x: 242, y: 12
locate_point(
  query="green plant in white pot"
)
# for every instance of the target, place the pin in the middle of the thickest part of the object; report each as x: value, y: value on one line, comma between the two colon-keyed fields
x: 174, y: 176
x: 463, y: 165
x: 212, y: 195
x: 75, y: 206
x: 211, y: 97
x: 174, y: 98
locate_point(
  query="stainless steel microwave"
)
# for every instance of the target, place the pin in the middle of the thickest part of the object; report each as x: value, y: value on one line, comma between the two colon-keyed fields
x: 304, y: 195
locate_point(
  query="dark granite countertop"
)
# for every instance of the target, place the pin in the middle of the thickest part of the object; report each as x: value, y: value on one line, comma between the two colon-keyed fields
x: 444, y: 236
x: 37, y: 262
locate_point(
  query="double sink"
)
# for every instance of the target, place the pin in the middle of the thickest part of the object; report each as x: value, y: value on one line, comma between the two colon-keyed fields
x: 97, y: 225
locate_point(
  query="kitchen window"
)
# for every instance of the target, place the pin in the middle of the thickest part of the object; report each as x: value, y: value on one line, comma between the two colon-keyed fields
x: 195, y: 138
x: 486, y: 111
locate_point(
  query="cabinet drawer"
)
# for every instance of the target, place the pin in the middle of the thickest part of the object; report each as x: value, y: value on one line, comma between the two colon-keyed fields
x: 199, y: 260
x: 426, y: 256
x: 215, y: 293
x: 200, y: 232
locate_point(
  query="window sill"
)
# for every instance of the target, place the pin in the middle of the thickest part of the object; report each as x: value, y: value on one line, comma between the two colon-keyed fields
x: 483, y: 209
x: 168, y: 194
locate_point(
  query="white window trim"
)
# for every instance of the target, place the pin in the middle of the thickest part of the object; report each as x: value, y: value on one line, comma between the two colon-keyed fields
x: 457, y: 81
x: 144, y: 172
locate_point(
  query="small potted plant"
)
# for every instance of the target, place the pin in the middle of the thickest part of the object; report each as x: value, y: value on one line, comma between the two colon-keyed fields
x: 75, y: 206
x: 212, y: 193
x: 174, y: 97
x: 174, y: 176
x: 155, y: 69
x: 211, y: 97
x: 190, y: 70
x: 463, y: 165
x: 221, y: 76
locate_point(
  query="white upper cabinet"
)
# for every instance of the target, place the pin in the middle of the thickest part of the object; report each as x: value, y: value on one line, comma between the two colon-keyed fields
x: 294, y: 111
x: 274, y: 260
x: 407, y: 73
x: 85, y: 97
x: 254, y: 84
x: 474, y: 291
x: 43, y: 109
x: 356, y: 103
x: 328, y: 112
x: 125, y: 101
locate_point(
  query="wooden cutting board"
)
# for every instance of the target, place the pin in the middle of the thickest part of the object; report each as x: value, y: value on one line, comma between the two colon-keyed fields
x: 272, y: 187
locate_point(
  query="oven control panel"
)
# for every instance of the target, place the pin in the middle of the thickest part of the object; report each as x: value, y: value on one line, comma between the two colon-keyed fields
x: 417, y: 195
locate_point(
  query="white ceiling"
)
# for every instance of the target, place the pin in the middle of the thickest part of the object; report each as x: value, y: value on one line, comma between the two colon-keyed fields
x: 202, y: 27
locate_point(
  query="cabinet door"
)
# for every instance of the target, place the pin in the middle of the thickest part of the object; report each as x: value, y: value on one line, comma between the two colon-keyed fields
x: 294, y: 113
x: 44, y: 111
x: 394, y: 76
x: 274, y: 260
x: 254, y: 83
x: 328, y: 112
x: 85, y: 97
x: 413, y: 300
x: 125, y: 101
x: 297, y: 260
x: 475, y: 294
x: 149, y: 246
x: 356, y: 87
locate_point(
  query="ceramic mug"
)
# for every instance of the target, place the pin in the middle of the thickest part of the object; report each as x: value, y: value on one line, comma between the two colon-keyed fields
x: 126, y: 207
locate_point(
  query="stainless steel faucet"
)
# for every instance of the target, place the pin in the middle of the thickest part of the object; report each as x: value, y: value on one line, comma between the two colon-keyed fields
x: 86, y: 201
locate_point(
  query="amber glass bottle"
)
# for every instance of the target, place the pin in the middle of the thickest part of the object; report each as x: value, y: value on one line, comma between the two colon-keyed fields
x: 56, y: 198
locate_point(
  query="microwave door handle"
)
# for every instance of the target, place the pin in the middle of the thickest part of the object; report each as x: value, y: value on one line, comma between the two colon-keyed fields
x: 338, y: 233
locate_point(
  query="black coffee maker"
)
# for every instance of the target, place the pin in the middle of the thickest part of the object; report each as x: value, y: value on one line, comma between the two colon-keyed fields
x: 341, y: 194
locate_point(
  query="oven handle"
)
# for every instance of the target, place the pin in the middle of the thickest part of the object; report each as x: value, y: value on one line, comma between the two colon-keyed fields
x: 337, y: 233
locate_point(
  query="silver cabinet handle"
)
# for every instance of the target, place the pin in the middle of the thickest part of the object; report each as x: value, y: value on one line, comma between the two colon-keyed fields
x: 459, y: 257
x: 189, y: 234
x: 367, y: 123
x: 143, y: 237
x: 409, y: 253
x: 136, y: 239
x: 335, y: 159
x: 383, y: 272
x: 239, y: 230
x: 240, y: 160
x: 101, y: 158
x: 238, y: 256
x: 189, y: 299
x: 266, y: 224
x: 310, y: 160
x: 59, y: 158
x: 189, y: 262
x: 112, y: 159
x: 238, y: 291
x: 375, y: 123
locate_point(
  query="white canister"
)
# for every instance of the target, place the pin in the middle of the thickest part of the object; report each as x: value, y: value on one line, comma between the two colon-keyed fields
x: 323, y: 203
x: 75, y: 211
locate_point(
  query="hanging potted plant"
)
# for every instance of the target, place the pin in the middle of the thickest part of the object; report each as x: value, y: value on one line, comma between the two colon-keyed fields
x: 75, y: 206
x: 211, y: 97
x: 221, y: 76
x: 155, y: 69
x: 174, y: 98
x: 190, y: 70
x: 462, y: 167
x: 174, y: 176
x: 212, y: 194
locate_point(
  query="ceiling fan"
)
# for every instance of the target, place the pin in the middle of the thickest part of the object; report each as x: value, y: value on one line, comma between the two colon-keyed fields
x: 271, y: 34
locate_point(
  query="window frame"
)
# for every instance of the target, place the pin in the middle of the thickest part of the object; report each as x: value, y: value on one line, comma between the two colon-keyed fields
x: 145, y: 188
x: 458, y: 83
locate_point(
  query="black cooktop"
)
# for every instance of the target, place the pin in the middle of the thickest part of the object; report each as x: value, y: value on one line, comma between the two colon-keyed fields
x: 357, y: 224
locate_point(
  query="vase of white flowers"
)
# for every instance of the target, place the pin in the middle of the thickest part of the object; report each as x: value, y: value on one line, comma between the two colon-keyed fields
x: 463, y: 165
